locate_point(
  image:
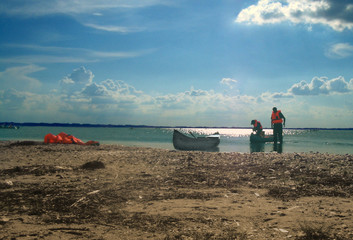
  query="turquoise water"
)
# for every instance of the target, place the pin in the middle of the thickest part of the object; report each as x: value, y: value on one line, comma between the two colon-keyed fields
x: 232, y: 140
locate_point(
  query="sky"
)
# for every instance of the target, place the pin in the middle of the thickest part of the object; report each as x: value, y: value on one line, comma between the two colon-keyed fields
x: 177, y: 62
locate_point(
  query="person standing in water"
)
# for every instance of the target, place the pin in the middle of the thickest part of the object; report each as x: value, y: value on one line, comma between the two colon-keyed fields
x: 257, y: 127
x: 278, y: 121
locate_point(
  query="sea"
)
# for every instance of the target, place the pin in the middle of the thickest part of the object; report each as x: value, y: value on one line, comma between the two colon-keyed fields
x: 336, y: 141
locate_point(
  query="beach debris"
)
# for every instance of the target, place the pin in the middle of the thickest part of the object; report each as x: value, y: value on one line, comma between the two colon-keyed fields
x: 4, y: 220
x: 9, y: 182
x: 83, y: 198
x: 93, y: 165
x: 281, y: 230
x: 70, y: 230
x: 60, y: 176
x: 62, y: 168
x: 291, y: 208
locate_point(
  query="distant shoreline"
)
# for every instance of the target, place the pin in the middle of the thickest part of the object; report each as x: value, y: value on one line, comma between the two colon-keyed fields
x: 88, y: 125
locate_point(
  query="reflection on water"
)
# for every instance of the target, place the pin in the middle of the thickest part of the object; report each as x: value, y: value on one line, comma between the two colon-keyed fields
x: 260, y: 147
x: 216, y: 149
x: 277, y: 147
x: 226, y: 132
x: 257, y: 147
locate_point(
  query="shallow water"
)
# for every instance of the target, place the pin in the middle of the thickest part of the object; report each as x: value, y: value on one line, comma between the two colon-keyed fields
x: 232, y: 139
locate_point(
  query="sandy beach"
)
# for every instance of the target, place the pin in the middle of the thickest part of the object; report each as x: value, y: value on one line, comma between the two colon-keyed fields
x: 117, y: 192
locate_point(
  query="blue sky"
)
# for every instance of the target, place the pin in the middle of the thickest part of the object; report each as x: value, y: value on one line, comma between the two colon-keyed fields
x: 180, y: 62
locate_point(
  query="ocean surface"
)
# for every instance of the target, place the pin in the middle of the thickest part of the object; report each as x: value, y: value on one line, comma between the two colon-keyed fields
x: 232, y: 139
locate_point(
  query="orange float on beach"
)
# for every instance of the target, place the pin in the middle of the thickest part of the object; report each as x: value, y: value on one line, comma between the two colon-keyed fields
x: 65, y: 138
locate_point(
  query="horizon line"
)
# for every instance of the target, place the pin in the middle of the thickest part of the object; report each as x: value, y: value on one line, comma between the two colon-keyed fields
x: 36, y: 124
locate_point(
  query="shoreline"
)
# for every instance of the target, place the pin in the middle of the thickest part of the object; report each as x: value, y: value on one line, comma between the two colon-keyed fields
x: 118, y: 192
x: 231, y: 140
x: 267, y: 148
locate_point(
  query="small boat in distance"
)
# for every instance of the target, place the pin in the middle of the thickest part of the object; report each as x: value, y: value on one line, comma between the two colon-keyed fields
x: 260, y: 139
x: 183, y: 142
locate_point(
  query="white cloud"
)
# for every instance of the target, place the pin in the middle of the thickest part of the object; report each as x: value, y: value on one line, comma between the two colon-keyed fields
x: 95, y: 90
x: 53, y: 54
x: 79, y: 88
x: 18, y: 77
x: 118, y: 102
x: 339, y: 85
x: 35, y: 59
x: 268, y: 96
x: 110, y: 91
x: 119, y: 97
x: 333, y: 13
x: 11, y: 99
x: 340, y: 50
x: 30, y: 8
x: 111, y: 28
x: 319, y: 86
x: 116, y: 55
x: 200, y: 107
x: 228, y: 82
x: 77, y: 80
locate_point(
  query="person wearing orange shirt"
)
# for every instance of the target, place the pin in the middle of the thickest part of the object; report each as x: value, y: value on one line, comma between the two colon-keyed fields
x: 257, y: 127
x: 278, y: 121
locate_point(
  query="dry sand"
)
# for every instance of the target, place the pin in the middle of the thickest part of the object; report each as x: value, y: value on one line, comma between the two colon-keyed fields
x: 117, y: 192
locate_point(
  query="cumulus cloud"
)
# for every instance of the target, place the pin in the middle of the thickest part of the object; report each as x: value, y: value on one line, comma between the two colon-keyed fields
x: 115, y: 101
x: 322, y: 85
x: 79, y: 88
x: 337, y: 14
x: 317, y: 86
x: 268, y: 96
x: 228, y: 82
x: 339, y: 85
x: 19, y: 77
x: 340, y: 50
x: 114, y: 92
x: 95, y: 90
x: 77, y: 80
x: 111, y: 96
x: 120, y: 95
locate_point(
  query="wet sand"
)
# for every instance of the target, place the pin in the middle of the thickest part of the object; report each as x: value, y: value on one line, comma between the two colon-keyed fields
x: 117, y: 192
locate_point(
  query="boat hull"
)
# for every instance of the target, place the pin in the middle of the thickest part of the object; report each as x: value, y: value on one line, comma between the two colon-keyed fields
x: 259, y: 139
x: 183, y: 142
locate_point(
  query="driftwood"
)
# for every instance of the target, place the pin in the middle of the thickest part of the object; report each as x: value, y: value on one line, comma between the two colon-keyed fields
x: 83, y: 198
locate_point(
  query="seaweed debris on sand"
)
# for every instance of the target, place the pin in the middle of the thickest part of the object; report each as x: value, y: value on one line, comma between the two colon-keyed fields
x: 140, y: 193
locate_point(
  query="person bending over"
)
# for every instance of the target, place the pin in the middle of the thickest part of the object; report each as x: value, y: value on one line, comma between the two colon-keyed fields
x: 257, y: 127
